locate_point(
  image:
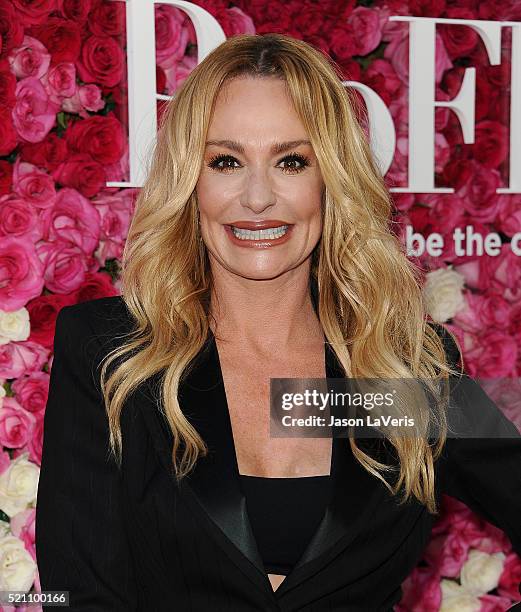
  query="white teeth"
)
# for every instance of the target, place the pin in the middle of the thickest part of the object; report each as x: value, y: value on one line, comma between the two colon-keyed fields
x: 269, y: 233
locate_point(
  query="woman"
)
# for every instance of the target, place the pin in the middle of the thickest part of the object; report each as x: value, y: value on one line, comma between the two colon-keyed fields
x: 260, y: 248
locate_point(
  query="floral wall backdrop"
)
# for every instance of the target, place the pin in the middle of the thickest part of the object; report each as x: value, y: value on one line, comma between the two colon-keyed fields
x: 63, y: 135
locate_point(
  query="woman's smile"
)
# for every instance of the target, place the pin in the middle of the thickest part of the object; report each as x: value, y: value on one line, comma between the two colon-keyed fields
x: 259, y: 235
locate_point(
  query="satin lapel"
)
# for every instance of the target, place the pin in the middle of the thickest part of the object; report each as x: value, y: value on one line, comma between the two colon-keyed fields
x: 354, y: 495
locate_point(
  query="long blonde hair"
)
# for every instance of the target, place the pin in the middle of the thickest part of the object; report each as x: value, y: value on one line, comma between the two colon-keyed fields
x: 370, y: 302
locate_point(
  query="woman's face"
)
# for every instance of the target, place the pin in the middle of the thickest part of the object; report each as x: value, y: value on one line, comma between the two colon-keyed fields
x: 246, y: 181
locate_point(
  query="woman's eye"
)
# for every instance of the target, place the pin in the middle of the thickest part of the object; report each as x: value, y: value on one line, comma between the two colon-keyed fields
x: 224, y: 163
x: 221, y: 159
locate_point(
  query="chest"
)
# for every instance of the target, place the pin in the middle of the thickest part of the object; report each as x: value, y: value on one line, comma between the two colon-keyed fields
x: 247, y: 387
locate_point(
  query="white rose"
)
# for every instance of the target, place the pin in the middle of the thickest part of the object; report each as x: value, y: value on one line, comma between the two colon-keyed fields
x: 481, y: 571
x: 443, y: 293
x: 17, y: 568
x: 18, y: 485
x: 455, y: 598
x: 5, y: 529
x: 14, y: 325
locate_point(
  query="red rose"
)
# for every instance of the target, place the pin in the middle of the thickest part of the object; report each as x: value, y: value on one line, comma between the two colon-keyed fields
x: 43, y: 311
x: 459, y: 40
x: 81, y: 172
x: 31, y: 12
x: 6, y: 176
x: 47, y: 154
x: 7, y: 85
x: 100, y: 136
x: 61, y: 37
x: 426, y: 8
x: 486, y: 97
x: 77, y: 10
x: 107, y: 18
x: 11, y: 28
x: 95, y: 285
x: 342, y: 42
x: 491, y: 147
x: 101, y: 61
x: 8, y: 136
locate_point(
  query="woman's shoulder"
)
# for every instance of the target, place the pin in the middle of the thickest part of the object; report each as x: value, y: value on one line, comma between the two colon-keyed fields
x: 94, y: 323
x: 106, y: 314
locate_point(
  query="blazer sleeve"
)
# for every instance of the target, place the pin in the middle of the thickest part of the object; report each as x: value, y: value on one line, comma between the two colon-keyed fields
x: 482, y: 463
x: 81, y: 541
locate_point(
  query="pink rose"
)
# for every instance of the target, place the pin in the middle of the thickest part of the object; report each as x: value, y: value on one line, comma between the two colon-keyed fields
x: 447, y: 554
x: 476, y: 185
x: 505, y: 392
x: 381, y: 77
x: 31, y: 391
x: 492, y: 355
x: 18, y: 219
x: 65, y: 266
x: 176, y: 75
x: 171, y: 35
x: 510, y: 579
x: 397, y: 52
x: 23, y: 527
x: 19, y: 358
x: 22, y: 272
x: 72, y: 219
x: 484, y: 311
x: 16, y: 424
x: 5, y: 461
x: 115, y: 213
x: 35, y: 444
x: 232, y: 20
x: 29, y: 60
x: 34, y: 115
x: 509, y: 214
x: 33, y: 184
x: 90, y: 97
x: 367, y: 29
x: 421, y: 591
x: 60, y: 82
x: 494, y: 603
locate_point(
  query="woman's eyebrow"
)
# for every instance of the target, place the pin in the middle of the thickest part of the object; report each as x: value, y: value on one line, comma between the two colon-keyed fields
x: 278, y: 147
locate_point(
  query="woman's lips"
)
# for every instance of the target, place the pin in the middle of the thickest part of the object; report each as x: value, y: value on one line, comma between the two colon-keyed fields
x: 262, y: 243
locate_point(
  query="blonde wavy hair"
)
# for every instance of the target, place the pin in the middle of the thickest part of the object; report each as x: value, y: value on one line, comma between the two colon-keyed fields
x: 370, y: 303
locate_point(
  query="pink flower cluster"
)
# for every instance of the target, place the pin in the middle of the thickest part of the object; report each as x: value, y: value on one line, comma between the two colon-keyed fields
x: 456, y: 532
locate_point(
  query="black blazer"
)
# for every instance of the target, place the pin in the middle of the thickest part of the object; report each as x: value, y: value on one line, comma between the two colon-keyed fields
x: 135, y: 540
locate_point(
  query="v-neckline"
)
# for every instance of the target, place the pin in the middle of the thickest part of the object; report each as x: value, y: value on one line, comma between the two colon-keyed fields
x: 330, y: 364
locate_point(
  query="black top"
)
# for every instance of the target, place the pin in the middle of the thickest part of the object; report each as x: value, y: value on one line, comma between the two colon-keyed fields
x: 284, y: 514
